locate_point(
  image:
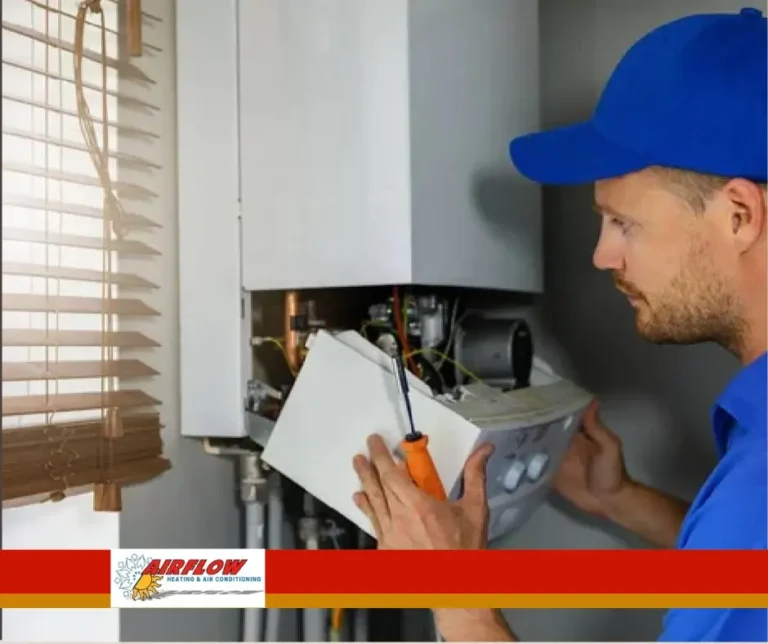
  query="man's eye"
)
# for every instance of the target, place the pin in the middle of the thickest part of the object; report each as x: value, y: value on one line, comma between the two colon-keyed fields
x: 620, y: 223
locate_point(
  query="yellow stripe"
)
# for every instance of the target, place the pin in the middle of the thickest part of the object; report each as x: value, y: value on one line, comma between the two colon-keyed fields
x: 433, y: 601
x: 516, y: 601
x: 55, y: 601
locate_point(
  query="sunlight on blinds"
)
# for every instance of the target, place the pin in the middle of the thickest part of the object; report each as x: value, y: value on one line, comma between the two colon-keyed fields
x: 71, y: 416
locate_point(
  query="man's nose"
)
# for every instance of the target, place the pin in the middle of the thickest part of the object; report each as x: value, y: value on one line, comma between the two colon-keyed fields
x: 607, y: 255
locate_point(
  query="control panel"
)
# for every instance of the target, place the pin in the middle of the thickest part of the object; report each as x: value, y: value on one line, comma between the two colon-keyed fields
x: 531, y: 430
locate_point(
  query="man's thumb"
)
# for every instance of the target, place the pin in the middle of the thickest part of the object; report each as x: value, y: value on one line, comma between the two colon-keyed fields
x: 474, y: 473
x: 594, y: 428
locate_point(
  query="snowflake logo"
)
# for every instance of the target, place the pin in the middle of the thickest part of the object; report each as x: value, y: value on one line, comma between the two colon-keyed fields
x: 132, y: 580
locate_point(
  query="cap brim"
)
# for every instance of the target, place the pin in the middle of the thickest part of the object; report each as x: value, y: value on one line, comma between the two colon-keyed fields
x: 571, y: 155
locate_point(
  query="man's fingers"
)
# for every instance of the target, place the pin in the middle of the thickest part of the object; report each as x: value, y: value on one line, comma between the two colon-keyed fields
x: 401, y: 464
x: 474, y: 474
x: 381, y: 457
x: 372, y: 487
x: 362, y: 502
x: 392, y: 474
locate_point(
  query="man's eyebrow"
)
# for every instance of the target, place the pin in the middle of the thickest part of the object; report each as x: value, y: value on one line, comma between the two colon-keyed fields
x: 601, y: 209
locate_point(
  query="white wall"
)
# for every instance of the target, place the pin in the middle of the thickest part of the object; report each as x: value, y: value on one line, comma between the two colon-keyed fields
x: 73, y: 524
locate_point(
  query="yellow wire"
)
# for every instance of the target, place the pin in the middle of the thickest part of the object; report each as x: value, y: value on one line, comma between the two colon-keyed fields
x: 422, y: 370
x: 416, y: 352
x: 279, y: 344
x: 443, y: 356
x: 371, y: 323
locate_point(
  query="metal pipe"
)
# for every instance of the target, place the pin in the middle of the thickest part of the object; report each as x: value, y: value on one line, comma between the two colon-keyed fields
x: 252, y: 488
x: 254, y: 540
x: 360, y: 624
x: 275, y: 521
x: 291, y: 337
x: 314, y: 619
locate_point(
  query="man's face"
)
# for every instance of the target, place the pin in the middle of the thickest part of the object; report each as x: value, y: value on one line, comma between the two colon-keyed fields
x: 670, y: 262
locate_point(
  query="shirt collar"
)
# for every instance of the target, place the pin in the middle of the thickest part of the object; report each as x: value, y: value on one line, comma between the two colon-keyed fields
x: 743, y: 403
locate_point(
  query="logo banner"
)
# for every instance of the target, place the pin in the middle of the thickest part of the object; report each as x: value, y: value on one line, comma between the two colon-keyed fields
x: 187, y: 578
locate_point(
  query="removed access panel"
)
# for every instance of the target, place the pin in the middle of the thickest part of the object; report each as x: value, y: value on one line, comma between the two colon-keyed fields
x: 346, y: 391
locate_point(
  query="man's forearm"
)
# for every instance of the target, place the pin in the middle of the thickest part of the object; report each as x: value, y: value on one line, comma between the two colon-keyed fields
x: 649, y: 513
x: 473, y: 625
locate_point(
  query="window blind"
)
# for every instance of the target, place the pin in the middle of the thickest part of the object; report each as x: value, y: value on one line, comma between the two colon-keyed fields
x: 75, y: 416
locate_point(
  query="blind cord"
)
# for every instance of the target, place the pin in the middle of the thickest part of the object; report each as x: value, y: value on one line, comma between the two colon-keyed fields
x: 112, y: 224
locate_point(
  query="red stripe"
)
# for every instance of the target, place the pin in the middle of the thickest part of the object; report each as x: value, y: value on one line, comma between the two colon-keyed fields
x: 71, y: 572
x: 433, y: 572
x: 515, y: 571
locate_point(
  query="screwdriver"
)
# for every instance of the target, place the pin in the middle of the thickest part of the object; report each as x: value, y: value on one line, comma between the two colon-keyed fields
x: 418, y: 462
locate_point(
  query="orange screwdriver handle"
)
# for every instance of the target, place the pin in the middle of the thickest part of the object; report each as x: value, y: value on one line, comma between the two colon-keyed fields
x: 421, y: 468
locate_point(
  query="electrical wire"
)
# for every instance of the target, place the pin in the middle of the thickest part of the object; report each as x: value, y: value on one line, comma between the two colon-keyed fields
x: 399, y: 315
x: 280, y: 345
x: 452, y: 329
x: 445, y: 358
x: 428, y: 366
x: 372, y: 323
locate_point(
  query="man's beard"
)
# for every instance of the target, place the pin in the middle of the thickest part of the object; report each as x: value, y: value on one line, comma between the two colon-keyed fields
x: 698, y: 306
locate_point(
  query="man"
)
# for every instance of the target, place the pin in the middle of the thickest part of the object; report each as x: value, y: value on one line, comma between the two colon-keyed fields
x: 677, y: 151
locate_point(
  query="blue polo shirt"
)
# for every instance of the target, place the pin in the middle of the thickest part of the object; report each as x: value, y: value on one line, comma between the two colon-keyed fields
x: 731, y: 511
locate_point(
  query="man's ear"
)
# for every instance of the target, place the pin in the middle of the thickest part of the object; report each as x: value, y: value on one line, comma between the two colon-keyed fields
x: 746, y: 210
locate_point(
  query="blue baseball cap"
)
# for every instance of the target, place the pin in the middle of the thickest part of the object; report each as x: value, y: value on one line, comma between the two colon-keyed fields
x: 691, y: 95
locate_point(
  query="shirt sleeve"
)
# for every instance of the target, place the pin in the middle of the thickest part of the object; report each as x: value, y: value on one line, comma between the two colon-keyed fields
x: 715, y: 625
x: 734, y: 516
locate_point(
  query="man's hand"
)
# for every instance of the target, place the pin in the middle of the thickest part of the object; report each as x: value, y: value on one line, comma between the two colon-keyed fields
x: 593, y: 475
x: 594, y: 478
x: 406, y: 518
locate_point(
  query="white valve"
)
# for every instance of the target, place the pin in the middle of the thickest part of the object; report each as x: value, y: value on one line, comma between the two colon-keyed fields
x: 537, y: 465
x: 513, y: 476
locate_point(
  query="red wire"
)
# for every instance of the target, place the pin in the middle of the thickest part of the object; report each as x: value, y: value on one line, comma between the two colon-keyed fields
x: 400, y: 329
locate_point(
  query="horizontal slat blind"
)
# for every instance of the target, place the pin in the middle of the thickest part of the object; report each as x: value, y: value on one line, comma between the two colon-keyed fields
x: 75, y: 414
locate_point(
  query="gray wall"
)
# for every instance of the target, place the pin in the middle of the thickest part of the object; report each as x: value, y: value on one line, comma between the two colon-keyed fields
x: 191, y: 506
x: 656, y: 398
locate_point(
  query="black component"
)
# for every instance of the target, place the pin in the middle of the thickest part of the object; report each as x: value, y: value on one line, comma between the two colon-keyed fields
x: 430, y: 375
x: 300, y: 323
x: 412, y: 437
x: 496, y: 349
x: 385, y: 625
x: 244, y: 443
x: 522, y: 355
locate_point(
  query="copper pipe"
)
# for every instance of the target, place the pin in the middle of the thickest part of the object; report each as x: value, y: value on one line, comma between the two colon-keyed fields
x: 291, y: 337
